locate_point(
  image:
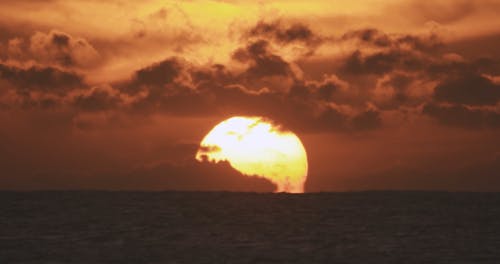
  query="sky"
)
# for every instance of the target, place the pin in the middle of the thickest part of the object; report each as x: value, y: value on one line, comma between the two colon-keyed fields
x: 117, y: 95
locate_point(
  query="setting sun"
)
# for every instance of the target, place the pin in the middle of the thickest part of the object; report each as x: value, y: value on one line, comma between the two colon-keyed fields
x: 256, y: 147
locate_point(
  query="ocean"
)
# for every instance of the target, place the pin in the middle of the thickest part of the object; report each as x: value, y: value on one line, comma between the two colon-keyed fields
x: 226, y: 227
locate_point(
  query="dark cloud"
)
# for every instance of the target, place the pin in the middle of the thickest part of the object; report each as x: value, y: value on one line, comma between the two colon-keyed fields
x: 44, y: 79
x: 191, y: 176
x: 159, y: 74
x: 60, y: 39
x: 468, y: 88
x: 54, y: 48
x: 204, y: 176
x: 382, y: 62
x: 59, y: 157
x: 298, y: 112
x: 431, y: 43
x: 398, y: 71
x: 177, y: 87
x: 378, y: 53
x: 262, y: 62
x: 477, y: 47
x: 170, y: 87
x: 285, y: 34
x: 367, y: 120
x: 462, y: 116
x: 377, y: 38
x: 369, y: 35
x: 100, y: 99
x: 331, y: 89
x: 400, y: 81
x: 29, y: 102
x: 62, y: 49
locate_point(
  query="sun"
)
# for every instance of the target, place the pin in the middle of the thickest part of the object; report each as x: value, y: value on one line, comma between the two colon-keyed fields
x: 257, y: 147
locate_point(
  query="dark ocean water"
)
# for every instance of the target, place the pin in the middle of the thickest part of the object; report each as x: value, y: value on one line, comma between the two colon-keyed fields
x: 218, y: 227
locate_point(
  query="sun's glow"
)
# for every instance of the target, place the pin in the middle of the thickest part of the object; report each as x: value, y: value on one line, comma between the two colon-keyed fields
x: 256, y: 147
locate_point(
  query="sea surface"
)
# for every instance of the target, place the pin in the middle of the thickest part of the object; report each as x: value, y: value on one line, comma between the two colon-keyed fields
x: 225, y: 227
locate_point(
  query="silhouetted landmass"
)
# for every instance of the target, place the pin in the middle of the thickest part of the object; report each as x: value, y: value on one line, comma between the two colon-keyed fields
x: 224, y: 227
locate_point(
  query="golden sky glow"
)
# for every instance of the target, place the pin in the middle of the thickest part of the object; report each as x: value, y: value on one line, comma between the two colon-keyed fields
x: 257, y: 148
x: 400, y: 94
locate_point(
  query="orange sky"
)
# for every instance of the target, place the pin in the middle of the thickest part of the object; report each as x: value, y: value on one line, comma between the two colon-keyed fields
x: 117, y: 94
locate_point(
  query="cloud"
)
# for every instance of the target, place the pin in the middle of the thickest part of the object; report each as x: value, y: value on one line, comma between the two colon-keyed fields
x: 73, y: 89
x: 374, y: 37
x: 373, y: 52
x: 54, y: 48
x: 44, y: 79
x: 195, y: 176
x: 382, y: 62
x: 477, y: 47
x: 403, y: 67
x: 411, y: 70
x: 159, y: 74
x: 192, y: 176
x: 383, y: 72
x: 98, y: 99
x: 369, y: 36
x: 468, y: 88
x: 262, y: 62
x: 177, y: 87
x: 70, y: 165
x: 367, y: 120
x: 330, y: 89
x: 462, y: 116
x: 284, y: 34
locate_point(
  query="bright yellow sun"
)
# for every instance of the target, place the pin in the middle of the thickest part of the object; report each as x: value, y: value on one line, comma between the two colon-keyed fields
x: 256, y: 147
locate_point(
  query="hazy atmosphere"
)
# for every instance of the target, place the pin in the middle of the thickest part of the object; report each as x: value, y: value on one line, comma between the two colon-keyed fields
x: 118, y: 95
